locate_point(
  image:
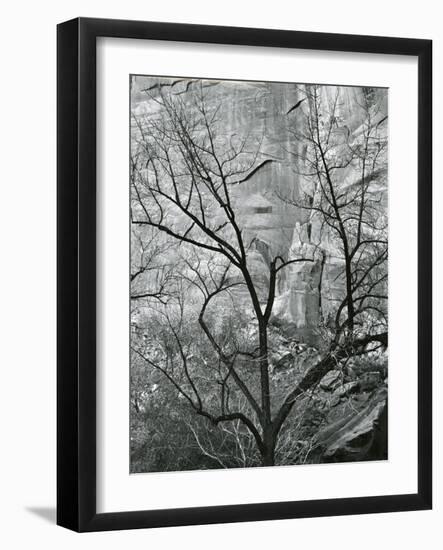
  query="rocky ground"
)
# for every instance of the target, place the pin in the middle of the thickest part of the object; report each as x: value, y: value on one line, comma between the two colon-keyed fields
x: 351, y: 402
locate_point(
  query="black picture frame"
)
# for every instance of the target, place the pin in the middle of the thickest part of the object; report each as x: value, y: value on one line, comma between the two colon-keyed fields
x: 77, y: 249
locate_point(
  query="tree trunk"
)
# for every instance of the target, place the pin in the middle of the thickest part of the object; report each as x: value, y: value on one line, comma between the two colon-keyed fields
x: 267, y: 457
x: 350, y: 299
x: 268, y: 451
x: 264, y: 371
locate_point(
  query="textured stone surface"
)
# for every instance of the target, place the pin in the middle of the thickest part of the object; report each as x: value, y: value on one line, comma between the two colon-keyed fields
x: 359, y: 436
x: 265, y: 113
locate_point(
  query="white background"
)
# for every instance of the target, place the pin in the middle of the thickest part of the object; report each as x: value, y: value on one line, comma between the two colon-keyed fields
x: 27, y: 286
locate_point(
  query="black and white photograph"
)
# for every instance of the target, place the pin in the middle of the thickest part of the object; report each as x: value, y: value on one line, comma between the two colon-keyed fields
x: 258, y: 274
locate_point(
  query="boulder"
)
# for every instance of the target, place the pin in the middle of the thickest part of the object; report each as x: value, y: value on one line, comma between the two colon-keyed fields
x: 357, y: 437
x: 331, y: 380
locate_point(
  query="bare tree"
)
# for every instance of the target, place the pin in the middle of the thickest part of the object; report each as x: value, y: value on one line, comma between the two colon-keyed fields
x: 345, y: 175
x: 184, y: 173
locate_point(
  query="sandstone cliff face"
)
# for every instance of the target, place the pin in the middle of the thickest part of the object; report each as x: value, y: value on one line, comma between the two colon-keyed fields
x: 269, y: 114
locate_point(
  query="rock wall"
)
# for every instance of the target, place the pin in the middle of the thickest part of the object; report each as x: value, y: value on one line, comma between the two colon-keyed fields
x: 271, y: 226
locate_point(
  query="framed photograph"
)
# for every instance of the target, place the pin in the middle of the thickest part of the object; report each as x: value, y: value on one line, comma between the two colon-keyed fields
x: 244, y: 274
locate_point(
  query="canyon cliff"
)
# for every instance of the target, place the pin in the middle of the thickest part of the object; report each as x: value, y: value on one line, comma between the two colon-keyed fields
x: 266, y: 198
